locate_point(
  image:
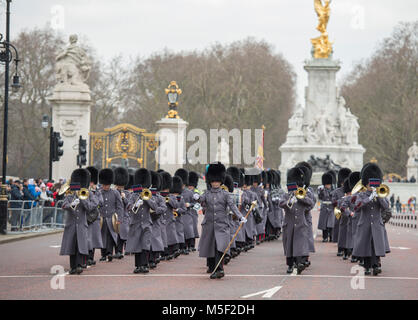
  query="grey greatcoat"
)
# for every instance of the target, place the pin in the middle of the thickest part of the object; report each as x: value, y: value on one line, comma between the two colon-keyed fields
x: 124, y: 226
x: 215, y: 227
x: 248, y: 196
x: 181, y: 211
x: 157, y: 242
x: 171, y: 230
x: 273, y: 214
x: 187, y: 217
x: 326, y: 214
x: 370, y: 226
x: 308, y: 215
x: 345, y: 236
x: 139, y: 237
x: 95, y: 235
x: 262, y: 206
x: 335, y: 196
x: 278, y: 212
x: 195, y: 214
x: 112, y: 203
x: 75, y: 230
x: 163, y: 224
x: 295, y: 227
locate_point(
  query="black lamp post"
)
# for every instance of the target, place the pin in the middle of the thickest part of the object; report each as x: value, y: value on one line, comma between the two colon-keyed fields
x: 6, y: 56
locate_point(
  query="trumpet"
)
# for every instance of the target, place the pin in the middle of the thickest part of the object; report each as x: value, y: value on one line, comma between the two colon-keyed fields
x: 382, y: 191
x: 83, y: 194
x: 146, y: 194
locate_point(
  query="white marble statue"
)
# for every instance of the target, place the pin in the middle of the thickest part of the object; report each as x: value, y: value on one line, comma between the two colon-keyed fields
x: 72, y: 65
x: 413, y: 155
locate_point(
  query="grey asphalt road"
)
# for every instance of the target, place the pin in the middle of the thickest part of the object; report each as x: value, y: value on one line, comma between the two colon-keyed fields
x: 25, y: 273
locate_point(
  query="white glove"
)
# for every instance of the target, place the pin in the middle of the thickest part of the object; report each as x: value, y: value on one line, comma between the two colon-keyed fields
x: 75, y: 202
x: 138, y: 203
x: 243, y: 219
x: 373, y: 195
x: 196, y: 196
x: 321, y: 188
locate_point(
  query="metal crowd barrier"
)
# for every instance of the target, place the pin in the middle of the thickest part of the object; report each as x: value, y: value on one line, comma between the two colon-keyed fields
x: 34, y: 216
x: 405, y: 220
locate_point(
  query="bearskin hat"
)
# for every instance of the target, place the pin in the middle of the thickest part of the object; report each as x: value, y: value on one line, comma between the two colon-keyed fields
x: 94, y: 174
x: 327, y: 178
x: 235, y: 173
x: 277, y: 179
x: 156, y: 180
x: 177, y: 186
x: 296, y: 175
x: 371, y: 171
x: 81, y: 176
x: 131, y: 181
x: 334, y: 176
x: 248, y: 180
x: 353, y: 178
x: 183, y: 174
x: 143, y: 178
x: 241, y: 179
x: 229, y: 183
x: 216, y: 172
x: 106, y: 176
x: 346, y: 186
x: 264, y: 177
x: 342, y: 175
x: 121, y: 176
x: 307, y: 165
x: 257, y: 178
x: 167, y: 181
x: 193, y: 179
x: 307, y: 174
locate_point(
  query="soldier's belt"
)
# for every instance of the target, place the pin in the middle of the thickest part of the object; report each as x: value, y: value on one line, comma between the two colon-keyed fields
x: 326, y: 202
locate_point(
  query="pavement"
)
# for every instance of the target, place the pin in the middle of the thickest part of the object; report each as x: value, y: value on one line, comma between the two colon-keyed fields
x: 28, y: 271
x: 11, y: 236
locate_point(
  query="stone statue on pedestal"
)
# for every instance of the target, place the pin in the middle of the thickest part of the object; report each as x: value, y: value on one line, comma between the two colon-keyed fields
x: 72, y: 66
x: 413, y: 155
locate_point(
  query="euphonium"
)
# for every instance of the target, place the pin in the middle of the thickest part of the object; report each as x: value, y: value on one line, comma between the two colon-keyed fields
x: 382, y: 191
x: 83, y: 194
x: 337, y: 213
x: 64, y: 188
x: 359, y: 187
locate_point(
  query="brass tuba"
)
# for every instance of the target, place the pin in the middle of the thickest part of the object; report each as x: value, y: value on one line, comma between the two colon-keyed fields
x: 64, y: 188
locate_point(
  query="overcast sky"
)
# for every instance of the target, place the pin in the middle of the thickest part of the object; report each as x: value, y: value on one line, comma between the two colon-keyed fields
x: 133, y: 27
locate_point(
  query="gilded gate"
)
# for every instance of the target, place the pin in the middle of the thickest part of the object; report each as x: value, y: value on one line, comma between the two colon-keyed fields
x: 123, y: 145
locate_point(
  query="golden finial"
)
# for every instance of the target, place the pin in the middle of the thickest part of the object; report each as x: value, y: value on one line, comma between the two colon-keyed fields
x: 173, y: 91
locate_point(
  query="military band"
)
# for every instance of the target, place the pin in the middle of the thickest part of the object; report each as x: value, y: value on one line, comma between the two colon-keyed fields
x: 154, y: 216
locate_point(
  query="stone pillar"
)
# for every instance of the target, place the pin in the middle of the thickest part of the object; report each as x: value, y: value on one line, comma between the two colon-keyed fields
x: 71, y: 118
x: 171, y: 151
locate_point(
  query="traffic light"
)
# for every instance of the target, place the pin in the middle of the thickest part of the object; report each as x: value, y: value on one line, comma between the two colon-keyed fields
x: 57, y: 144
x: 82, y: 152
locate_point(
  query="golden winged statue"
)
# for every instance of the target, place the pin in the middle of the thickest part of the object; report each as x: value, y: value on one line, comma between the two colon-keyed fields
x: 322, y: 46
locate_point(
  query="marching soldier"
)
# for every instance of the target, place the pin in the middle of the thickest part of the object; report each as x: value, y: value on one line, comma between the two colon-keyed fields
x: 307, y: 172
x: 157, y: 243
x: 192, y: 185
x: 75, y: 237
x: 250, y: 226
x: 215, y: 228
x: 121, y: 180
x: 229, y: 183
x: 180, y: 209
x: 353, y: 178
x: 278, y: 192
x: 295, y: 226
x: 171, y: 203
x: 336, y: 195
x: 262, y: 204
x: 326, y: 214
x: 95, y: 235
x: 139, y: 237
x: 124, y: 228
x: 112, y: 203
x: 345, y: 240
x: 370, y: 238
x: 187, y: 217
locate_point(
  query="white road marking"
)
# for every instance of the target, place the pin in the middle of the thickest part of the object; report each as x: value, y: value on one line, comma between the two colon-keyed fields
x: 400, y: 248
x: 55, y: 246
x: 205, y: 276
x: 267, y: 293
